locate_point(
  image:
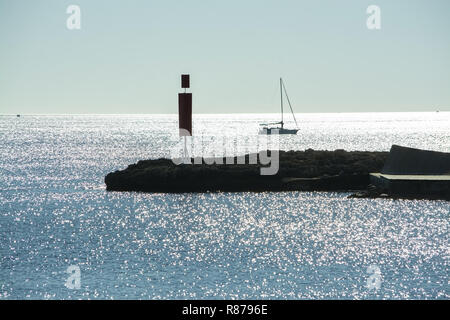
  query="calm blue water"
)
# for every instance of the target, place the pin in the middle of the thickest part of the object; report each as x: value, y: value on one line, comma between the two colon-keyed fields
x: 55, y: 212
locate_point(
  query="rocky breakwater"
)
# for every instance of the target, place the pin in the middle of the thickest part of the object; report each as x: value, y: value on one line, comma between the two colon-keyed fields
x: 308, y: 170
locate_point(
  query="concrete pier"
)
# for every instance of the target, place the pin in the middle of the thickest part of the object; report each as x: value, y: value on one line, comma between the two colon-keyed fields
x: 414, y: 173
x: 426, y: 186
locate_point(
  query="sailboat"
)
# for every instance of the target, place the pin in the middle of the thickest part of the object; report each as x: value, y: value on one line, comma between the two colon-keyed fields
x: 268, y: 128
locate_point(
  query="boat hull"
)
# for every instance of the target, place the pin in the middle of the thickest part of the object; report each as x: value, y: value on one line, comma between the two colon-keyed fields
x: 278, y: 131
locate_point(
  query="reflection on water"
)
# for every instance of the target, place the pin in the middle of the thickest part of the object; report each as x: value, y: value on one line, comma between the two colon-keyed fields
x: 54, y: 213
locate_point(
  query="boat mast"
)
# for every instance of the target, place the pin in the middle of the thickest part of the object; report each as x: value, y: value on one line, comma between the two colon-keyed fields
x: 290, y: 106
x: 281, y: 96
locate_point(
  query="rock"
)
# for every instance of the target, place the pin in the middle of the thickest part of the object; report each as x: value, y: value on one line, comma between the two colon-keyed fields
x: 299, y: 170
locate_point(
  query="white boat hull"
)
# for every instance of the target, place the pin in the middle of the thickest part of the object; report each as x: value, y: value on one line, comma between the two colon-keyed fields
x: 278, y: 131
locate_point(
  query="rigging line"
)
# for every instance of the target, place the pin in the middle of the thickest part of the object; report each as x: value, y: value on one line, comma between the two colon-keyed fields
x: 281, y: 96
x: 292, y: 111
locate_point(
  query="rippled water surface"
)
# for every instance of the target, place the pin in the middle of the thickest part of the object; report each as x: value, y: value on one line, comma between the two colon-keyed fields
x: 55, y: 212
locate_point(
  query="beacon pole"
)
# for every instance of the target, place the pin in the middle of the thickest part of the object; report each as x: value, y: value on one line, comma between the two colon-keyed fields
x: 185, y: 113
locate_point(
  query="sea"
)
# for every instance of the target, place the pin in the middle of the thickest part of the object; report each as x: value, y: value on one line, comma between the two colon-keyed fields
x: 63, y: 236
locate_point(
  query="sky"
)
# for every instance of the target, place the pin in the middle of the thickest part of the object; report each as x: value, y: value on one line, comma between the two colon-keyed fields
x: 128, y: 56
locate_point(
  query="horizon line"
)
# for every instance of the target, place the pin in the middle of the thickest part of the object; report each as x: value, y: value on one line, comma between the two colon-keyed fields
x: 240, y: 113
